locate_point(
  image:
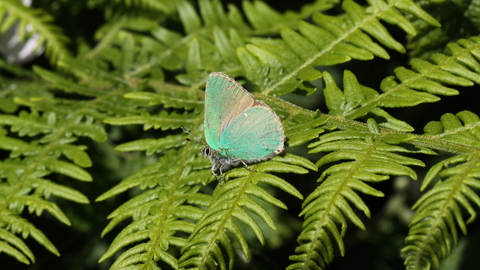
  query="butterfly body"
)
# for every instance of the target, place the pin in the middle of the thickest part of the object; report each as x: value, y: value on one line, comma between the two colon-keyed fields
x: 238, y: 129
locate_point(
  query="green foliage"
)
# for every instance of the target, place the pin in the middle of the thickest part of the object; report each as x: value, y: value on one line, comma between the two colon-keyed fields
x: 433, y: 229
x: 81, y: 121
x: 31, y: 22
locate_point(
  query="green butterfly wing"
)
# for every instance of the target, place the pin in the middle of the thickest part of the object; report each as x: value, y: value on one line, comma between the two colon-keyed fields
x: 256, y: 134
x: 225, y: 99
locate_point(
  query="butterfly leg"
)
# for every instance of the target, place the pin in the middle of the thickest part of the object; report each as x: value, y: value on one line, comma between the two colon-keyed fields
x: 246, y: 166
x: 216, y: 166
x: 216, y: 176
x: 220, y: 179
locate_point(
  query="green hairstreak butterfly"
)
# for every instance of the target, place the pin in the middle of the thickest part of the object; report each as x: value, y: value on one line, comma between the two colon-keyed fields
x: 238, y: 129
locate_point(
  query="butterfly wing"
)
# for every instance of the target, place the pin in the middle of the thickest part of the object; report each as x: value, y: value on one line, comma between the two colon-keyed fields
x: 255, y: 134
x: 225, y: 99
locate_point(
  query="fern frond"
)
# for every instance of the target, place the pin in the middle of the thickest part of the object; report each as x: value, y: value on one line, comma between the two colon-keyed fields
x: 332, y: 41
x: 15, y: 70
x: 454, y: 69
x: 14, y: 245
x: 43, y: 146
x: 212, y: 37
x: 163, y: 120
x: 168, y: 98
x: 368, y: 155
x: 433, y: 227
x: 359, y: 99
x: 158, y: 212
x: 307, y: 130
x: 49, y: 35
x: 263, y: 19
x: 151, y: 146
x: 150, y: 5
x: 458, y: 22
x: 417, y: 86
x: 217, y: 227
x: 26, y: 185
x: 25, y: 85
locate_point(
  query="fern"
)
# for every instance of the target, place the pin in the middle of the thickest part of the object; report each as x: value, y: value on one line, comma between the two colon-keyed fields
x: 24, y: 172
x: 459, y: 19
x: 49, y: 35
x: 93, y: 118
x: 433, y: 229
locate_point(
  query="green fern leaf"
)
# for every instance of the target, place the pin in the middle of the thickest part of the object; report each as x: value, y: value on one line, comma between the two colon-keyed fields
x: 150, y: 5
x: 164, y: 120
x: 370, y: 159
x: 328, y: 43
x: 16, y: 224
x: 15, y: 247
x: 458, y: 22
x: 357, y: 100
x: 157, y: 213
x: 48, y: 34
x: 433, y: 229
x: 306, y: 131
x: 151, y: 146
x: 169, y: 101
x: 231, y: 200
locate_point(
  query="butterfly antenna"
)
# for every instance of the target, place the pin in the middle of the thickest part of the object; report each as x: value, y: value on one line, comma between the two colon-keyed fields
x: 195, y: 137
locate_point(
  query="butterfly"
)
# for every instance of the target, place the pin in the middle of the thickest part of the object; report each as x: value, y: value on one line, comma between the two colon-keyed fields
x: 238, y: 128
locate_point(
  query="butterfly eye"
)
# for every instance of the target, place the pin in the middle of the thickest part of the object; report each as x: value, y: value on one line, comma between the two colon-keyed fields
x: 206, y: 151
